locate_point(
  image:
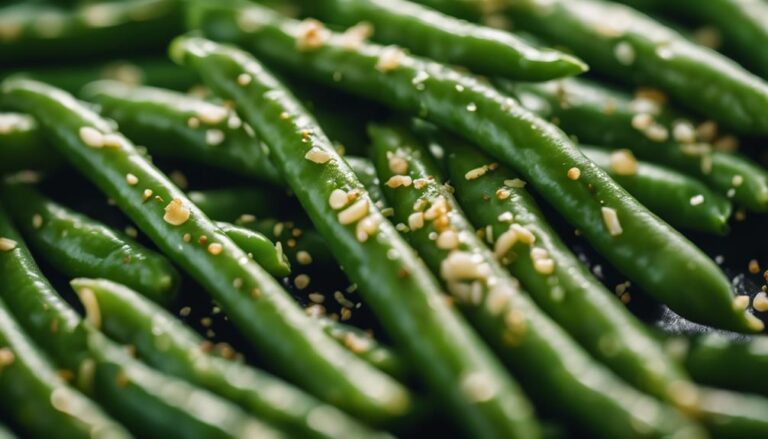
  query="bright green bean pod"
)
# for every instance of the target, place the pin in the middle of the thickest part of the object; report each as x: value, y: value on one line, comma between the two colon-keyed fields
x: 176, y: 125
x: 731, y: 415
x: 720, y: 361
x: 393, y: 282
x: 683, y: 201
x: 36, y: 399
x: 574, y: 298
x: 531, y: 344
x: 156, y: 72
x: 151, y: 404
x: 268, y: 255
x: 742, y: 24
x: 647, y: 250
x: 76, y: 245
x: 36, y: 31
x: 252, y: 298
x: 22, y: 145
x: 168, y: 345
x: 631, y: 47
x: 600, y: 115
x: 5, y: 433
x: 447, y: 39
x: 366, y: 347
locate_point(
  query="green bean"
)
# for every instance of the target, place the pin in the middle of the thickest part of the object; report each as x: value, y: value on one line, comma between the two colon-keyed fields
x: 741, y: 24
x: 168, y: 345
x: 157, y: 72
x: 633, y: 48
x: 717, y: 360
x: 152, y: 404
x: 76, y: 245
x: 733, y: 415
x: 229, y: 204
x: 531, y: 344
x: 683, y: 201
x: 447, y: 39
x: 22, y: 145
x: 648, y: 251
x: 268, y: 255
x: 366, y: 173
x: 252, y: 299
x: 599, y: 115
x: 173, y: 124
x: 36, y: 399
x: 36, y: 31
x: 367, y: 347
x: 394, y: 283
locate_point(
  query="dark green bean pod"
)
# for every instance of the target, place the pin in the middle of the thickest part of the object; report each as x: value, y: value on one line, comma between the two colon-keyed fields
x: 541, y: 354
x: 720, y: 361
x: 252, y: 299
x: 472, y: 10
x: 366, y: 347
x: 268, y: 255
x: 36, y: 399
x: 739, y: 25
x: 447, y: 39
x: 600, y: 115
x: 647, y: 250
x: 173, y: 124
x: 631, y: 47
x: 23, y: 146
x: 168, y: 345
x: 153, y: 405
x: 230, y: 204
x: 683, y: 201
x: 37, y: 31
x: 399, y: 289
x: 574, y: 298
x: 156, y: 72
x: 76, y: 245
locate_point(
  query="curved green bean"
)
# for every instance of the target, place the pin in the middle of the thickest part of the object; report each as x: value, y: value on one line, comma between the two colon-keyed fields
x: 268, y: 255
x: 447, y: 39
x: 37, y: 400
x: 733, y: 415
x: 600, y: 115
x: 644, y: 248
x: 394, y: 283
x: 545, y: 359
x: 37, y: 31
x: 168, y: 345
x: 152, y: 404
x: 77, y: 245
x: 683, y: 201
x: 631, y: 47
x: 252, y: 299
x: 176, y: 125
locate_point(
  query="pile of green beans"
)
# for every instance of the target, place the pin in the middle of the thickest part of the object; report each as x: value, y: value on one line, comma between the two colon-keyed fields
x: 383, y: 218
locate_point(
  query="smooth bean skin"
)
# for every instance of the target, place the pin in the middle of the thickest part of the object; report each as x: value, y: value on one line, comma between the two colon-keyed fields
x: 648, y: 251
x: 23, y: 146
x: 168, y: 345
x: 250, y: 296
x: 683, y: 201
x: 450, y: 40
x: 632, y: 48
x: 394, y: 283
x: 600, y: 115
x: 29, y: 384
x: 268, y: 255
x: 76, y: 245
